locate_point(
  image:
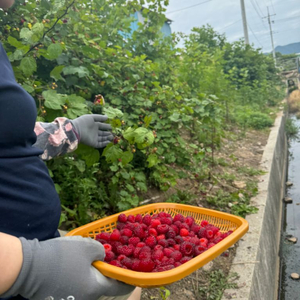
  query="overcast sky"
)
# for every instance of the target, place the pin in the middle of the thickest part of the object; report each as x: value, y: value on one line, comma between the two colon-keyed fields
x: 225, y: 17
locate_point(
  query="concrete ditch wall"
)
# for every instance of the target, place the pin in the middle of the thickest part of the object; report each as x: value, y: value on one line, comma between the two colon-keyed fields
x: 257, y: 256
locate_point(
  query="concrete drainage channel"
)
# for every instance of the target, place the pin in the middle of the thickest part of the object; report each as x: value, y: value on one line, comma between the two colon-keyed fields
x: 257, y: 258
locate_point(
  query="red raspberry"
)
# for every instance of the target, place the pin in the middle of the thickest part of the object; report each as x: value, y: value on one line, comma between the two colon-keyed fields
x: 185, y: 226
x: 179, y: 218
x: 107, y: 247
x: 195, y: 241
x: 209, y: 234
x: 115, y: 263
x: 175, y: 228
x: 177, y: 224
x: 136, y: 252
x: 218, y: 234
x: 171, y: 242
x: 176, y: 247
x: 202, y: 232
x: 114, y: 245
x: 124, y: 239
x: 204, y: 241
x: 169, y: 267
x: 151, y: 241
x: 160, y: 237
x: 122, y: 218
x: 178, y: 239
x: 186, y: 248
x: 165, y: 220
x: 185, y: 259
x: 138, y: 218
x: 186, y: 238
x: 121, y: 257
x: 214, y: 229
x: 169, y: 261
x: 139, y: 232
x: 155, y: 223
x: 189, y: 220
x: 158, y: 255
x: 126, y: 250
x: 134, y: 240
x: 168, y: 251
x: 144, y: 255
x: 195, y: 228
x: 103, y: 236
x: 146, y: 249
x: 121, y: 226
x: 126, y: 232
x: 131, y: 219
x: 217, y: 240
x: 141, y: 244
x: 152, y: 231
x: 158, y: 247
x: 171, y: 233
x: 204, y: 223
x: 162, y: 229
x: 147, y: 220
x: 176, y: 255
x: 199, y: 249
x: 184, y: 232
x: 164, y: 243
x: 127, y: 262
x: 146, y: 265
x: 162, y: 214
x: 109, y: 256
x: 135, y: 264
x: 177, y: 264
x: 192, y: 234
x: 102, y: 241
x: 115, y: 236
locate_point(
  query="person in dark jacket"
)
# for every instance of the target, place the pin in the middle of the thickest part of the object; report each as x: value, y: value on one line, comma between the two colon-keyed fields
x: 35, y: 263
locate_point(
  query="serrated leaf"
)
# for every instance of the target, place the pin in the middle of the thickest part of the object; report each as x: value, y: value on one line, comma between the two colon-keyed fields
x: 54, y: 51
x: 26, y: 34
x: 80, y: 71
x: 152, y: 160
x: 112, y: 113
x: 53, y: 100
x: 38, y: 29
x: 27, y: 88
x: 14, y: 42
x: 28, y: 66
x: 88, y: 154
x: 126, y: 157
x: 114, y: 168
x: 130, y: 188
x: 112, y: 153
x: 55, y: 73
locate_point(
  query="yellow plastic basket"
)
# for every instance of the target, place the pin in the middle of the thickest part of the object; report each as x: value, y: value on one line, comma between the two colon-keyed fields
x: 224, y: 221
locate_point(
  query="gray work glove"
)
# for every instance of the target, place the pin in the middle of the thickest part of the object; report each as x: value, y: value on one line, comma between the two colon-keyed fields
x: 61, y: 269
x: 92, y: 131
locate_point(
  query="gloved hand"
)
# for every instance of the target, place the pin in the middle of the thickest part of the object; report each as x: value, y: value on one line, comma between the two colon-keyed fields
x: 92, y: 131
x: 60, y: 268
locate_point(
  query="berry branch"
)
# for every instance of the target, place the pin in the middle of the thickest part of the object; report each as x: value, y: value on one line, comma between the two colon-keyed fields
x: 51, y: 28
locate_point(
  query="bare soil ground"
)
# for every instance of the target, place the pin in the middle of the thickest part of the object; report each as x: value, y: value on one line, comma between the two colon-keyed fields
x: 238, y: 152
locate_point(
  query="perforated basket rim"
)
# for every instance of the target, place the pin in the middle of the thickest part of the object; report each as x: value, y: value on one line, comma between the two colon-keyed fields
x: 238, y: 225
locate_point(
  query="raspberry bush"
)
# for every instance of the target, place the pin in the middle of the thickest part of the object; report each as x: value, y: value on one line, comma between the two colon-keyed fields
x: 168, y: 105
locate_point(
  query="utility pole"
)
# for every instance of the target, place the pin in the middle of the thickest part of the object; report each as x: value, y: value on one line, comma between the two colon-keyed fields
x: 271, y: 33
x: 244, y: 22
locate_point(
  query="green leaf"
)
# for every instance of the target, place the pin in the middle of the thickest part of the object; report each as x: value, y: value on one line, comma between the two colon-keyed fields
x: 14, y: 42
x: 88, y: 154
x: 38, y: 29
x: 152, y: 160
x: 114, y: 168
x: 112, y: 113
x: 27, y: 88
x: 54, y: 51
x: 55, y: 73
x: 26, y: 34
x: 28, y: 66
x: 126, y: 157
x: 130, y: 188
x: 112, y: 153
x: 80, y: 71
x: 53, y: 100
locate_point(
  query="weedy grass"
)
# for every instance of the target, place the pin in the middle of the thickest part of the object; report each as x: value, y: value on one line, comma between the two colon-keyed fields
x: 294, y: 102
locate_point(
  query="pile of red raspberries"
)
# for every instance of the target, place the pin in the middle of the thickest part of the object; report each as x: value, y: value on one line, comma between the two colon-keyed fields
x: 157, y: 243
